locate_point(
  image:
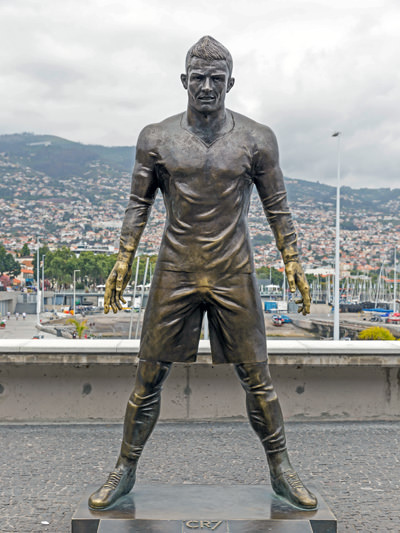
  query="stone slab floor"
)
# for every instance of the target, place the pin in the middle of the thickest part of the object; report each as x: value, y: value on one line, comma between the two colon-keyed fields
x: 45, y: 469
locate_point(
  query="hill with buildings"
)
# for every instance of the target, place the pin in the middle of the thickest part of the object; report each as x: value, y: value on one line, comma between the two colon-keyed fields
x: 72, y: 194
x: 60, y: 158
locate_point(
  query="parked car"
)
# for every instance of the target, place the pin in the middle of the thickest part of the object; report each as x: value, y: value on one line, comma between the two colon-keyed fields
x: 277, y: 320
x: 286, y: 319
x: 394, y: 318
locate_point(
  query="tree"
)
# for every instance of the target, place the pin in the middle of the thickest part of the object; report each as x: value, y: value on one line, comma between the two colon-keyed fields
x: 8, y: 265
x: 80, y: 326
x: 60, y: 265
x: 270, y: 273
x: 5, y: 281
x: 142, y: 267
x: 95, y: 268
x: 25, y: 252
x: 91, y: 267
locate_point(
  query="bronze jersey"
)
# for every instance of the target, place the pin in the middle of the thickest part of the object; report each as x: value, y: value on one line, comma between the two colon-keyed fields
x: 206, y: 191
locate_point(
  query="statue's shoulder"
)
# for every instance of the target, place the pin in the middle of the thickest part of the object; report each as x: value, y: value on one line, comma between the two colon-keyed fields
x: 160, y: 130
x: 260, y: 134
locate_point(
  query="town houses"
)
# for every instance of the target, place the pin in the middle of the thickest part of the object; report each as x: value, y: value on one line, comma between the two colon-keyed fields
x: 85, y: 212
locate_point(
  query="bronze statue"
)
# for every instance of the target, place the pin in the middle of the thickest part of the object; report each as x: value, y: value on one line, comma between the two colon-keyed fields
x: 205, y: 162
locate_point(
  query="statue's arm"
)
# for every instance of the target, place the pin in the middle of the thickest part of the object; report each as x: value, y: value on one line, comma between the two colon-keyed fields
x: 268, y: 179
x: 143, y: 192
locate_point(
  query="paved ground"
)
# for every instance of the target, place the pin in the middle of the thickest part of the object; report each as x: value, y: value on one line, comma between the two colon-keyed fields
x: 22, y: 329
x: 119, y: 326
x: 46, y: 469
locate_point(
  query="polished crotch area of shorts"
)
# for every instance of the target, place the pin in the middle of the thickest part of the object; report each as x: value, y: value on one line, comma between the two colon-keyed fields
x: 175, y: 310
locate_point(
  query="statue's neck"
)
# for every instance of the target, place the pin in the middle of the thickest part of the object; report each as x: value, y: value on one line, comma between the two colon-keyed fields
x: 208, y: 126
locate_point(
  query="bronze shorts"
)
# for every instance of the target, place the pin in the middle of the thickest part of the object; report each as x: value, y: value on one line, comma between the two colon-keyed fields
x: 174, y: 314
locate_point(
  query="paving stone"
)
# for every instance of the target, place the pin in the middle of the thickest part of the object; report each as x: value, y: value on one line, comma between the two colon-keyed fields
x: 45, y: 469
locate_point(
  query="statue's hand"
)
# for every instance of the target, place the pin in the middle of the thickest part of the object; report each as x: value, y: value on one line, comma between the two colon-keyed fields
x: 115, y: 285
x: 296, y: 277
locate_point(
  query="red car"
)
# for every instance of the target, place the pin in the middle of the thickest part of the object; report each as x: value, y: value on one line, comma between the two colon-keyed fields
x: 394, y: 318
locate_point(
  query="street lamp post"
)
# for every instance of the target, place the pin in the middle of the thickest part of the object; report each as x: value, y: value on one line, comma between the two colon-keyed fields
x: 284, y: 285
x: 336, y: 327
x: 43, y: 256
x: 395, y: 280
x: 142, y: 298
x: 38, y: 296
x: 134, y: 297
x: 75, y: 271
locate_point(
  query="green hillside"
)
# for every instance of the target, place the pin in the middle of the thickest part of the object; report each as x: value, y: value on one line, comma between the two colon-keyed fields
x: 60, y: 158
x: 302, y: 191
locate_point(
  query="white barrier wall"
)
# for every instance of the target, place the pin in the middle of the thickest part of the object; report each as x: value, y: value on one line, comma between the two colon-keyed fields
x: 86, y: 380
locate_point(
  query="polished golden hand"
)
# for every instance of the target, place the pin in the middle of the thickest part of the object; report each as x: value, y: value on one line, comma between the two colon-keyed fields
x: 115, y: 285
x: 296, y: 278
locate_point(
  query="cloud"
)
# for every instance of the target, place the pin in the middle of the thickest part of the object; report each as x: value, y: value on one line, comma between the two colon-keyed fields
x: 99, y: 71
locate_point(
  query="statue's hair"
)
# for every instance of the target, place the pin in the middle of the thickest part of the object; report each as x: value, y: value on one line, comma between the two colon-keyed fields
x: 209, y: 49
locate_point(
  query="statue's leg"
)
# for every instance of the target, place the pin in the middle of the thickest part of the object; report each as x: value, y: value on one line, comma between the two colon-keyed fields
x: 140, y: 418
x: 266, y: 419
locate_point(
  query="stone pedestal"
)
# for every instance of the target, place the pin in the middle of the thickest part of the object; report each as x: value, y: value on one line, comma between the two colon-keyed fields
x: 202, y: 508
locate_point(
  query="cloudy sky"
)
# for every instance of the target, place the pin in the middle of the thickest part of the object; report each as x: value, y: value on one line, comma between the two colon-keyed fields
x: 97, y: 71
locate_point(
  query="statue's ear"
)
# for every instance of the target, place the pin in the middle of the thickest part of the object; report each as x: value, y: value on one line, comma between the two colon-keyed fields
x: 184, y: 81
x: 231, y: 83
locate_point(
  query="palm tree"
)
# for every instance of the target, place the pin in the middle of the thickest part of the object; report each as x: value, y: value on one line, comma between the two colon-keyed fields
x: 80, y: 326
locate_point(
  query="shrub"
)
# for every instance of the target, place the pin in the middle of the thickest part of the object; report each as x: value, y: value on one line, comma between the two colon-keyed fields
x: 376, y: 333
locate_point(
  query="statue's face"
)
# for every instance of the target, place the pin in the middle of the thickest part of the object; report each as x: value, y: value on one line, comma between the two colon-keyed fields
x: 207, y: 83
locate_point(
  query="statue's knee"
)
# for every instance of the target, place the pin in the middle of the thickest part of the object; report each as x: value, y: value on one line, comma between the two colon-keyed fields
x: 140, y: 397
x: 256, y: 379
x: 150, y: 377
x: 144, y: 392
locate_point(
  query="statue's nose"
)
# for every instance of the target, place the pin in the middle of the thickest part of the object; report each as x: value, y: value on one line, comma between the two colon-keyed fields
x: 207, y: 85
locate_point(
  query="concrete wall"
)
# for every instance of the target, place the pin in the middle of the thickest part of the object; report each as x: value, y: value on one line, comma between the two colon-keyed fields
x: 8, y: 301
x: 78, y: 380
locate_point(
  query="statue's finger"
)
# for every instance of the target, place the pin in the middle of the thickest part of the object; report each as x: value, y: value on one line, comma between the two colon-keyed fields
x: 305, y: 290
x: 307, y: 305
x: 107, y: 293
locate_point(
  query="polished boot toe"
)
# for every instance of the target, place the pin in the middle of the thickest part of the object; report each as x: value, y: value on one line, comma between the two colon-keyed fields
x: 119, y: 483
x: 288, y: 485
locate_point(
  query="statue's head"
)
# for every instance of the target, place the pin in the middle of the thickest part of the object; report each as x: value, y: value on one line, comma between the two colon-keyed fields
x: 209, y: 49
x: 208, y: 75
